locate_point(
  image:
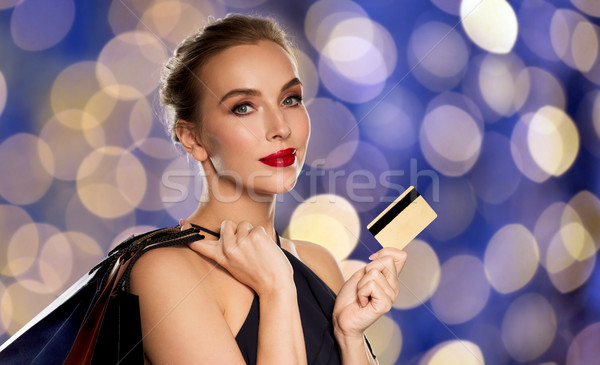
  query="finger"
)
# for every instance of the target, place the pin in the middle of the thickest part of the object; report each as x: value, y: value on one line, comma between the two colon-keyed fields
x: 184, y: 224
x: 399, y: 256
x: 386, y: 265
x: 243, y: 229
x: 208, y: 248
x: 377, y: 277
x: 373, y: 292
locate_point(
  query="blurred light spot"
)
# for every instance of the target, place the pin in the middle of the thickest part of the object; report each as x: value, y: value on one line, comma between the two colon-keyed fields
x: 574, y: 39
x: 57, y: 135
x: 437, y: 56
x: 158, y: 148
x: 420, y: 276
x: 553, y: 140
x: 12, y: 220
x: 358, y: 180
x: 491, y: 24
x: 361, y: 50
x: 100, y: 106
x: 535, y: 17
x: 138, y: 73
x: 78, y: 218
x: 29, y: 177
x: 463, y: 290
x: 560, y: 237
x: 331, y: 121
x: 511, y: 258
x: 172, y: 21
x: 111, y: 182
x: 535, y: 88
x: 455, y: 352
x: 385, y: 338
x: 584, y: 348
x: 528, y: 327
x: 309, y: 76
x: 519, y: 148
x: 498, y: 82
x: 349, y: 267
x: 449, y: 6
x: 323, y: 217
x: 86, y: 253
x: 344, y: 88
x: 390, y: 127
x: 75, y: 85
x: 24, y: 303
x: 450, y: 136
x: 140, y: 120
x: 7, y: 4
x: 451, y: 221
x: 55, y: 262
x: 23, y: 248
x: 322, y: 17
x: 3, y: 93
x: 584, y: 46
x: 181, y: 188
x: 589, y: 7
x: 392, y: 123
x: 37, y: 24
x: 586, y: 211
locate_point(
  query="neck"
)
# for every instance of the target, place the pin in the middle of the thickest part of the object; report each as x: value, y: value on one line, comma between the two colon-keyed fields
x: 223, y: 201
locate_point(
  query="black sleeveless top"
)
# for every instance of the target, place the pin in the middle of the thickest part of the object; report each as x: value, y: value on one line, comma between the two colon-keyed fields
x: 315, y: 304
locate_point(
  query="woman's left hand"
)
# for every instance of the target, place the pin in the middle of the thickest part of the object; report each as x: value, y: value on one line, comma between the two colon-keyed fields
x: 368, y: 294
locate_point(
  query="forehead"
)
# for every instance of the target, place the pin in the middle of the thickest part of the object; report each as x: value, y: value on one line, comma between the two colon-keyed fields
x: 264, y: 65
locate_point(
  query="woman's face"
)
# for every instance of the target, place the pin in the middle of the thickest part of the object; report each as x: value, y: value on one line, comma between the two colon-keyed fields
x: 251, y: 108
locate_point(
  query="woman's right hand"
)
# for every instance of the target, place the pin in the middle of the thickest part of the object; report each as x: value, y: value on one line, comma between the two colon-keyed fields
x: 248, y: 254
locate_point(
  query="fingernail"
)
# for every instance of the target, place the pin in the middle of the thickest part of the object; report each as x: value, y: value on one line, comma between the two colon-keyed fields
x: 373, y: 256
x: 181, y: 223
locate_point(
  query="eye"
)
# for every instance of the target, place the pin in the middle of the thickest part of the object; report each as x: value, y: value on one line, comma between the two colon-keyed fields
x: 292, y: 100
x: 242, y: 109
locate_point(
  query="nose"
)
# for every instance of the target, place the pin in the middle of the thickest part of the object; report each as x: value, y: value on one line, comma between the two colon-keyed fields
x: 278, y: 127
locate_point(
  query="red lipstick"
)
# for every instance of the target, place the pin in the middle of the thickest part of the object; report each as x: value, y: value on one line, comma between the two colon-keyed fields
x: 281, y: 158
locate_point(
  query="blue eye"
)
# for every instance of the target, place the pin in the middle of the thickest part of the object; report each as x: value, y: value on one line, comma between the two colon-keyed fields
x: 292, y: 100
x: 241, y: 109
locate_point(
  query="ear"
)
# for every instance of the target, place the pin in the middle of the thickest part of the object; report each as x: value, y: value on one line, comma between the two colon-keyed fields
x: 187, y: 137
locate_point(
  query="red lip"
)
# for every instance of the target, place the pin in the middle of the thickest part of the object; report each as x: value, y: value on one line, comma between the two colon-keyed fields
x: 280, y: 158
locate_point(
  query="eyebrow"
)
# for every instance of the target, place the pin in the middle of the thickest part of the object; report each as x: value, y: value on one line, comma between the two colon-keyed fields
x: 253, y: 92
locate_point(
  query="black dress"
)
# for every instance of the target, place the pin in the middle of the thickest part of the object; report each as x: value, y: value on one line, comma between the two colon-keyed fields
x: 315, y: 304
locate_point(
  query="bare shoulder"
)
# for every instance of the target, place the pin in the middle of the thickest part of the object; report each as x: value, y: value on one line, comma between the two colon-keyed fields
x: 322, y: 262
x: 178, y: 306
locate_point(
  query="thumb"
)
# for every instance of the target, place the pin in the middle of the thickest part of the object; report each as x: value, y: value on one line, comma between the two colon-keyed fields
x: 184, y: 224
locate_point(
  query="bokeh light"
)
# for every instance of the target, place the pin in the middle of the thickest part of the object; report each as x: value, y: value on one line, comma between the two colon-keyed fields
x: 529, y: 327
x: 36, y: 25
x: 463, y: 290
x: 511, y: 258
x: 325, y: 216
x: 2, y: 92
x: 584, y: 347
x: 415, y: 287
x: 385, y: 338
x: 453, y: 352
x: 437, y: 55
x: 33, y: 180
x: 491, y: 24
x: 553, y: 140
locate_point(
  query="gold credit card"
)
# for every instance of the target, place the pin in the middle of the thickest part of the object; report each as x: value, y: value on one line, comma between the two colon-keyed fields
x: 402, y: 220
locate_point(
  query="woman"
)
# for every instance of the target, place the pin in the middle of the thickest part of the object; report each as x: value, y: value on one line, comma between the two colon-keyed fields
x: 236, y: 102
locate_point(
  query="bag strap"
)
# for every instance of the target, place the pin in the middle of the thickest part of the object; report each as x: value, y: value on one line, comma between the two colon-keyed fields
x: 180, y: 238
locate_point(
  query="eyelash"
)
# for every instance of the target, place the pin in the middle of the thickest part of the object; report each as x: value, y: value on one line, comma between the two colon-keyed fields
x: 235, y: 107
